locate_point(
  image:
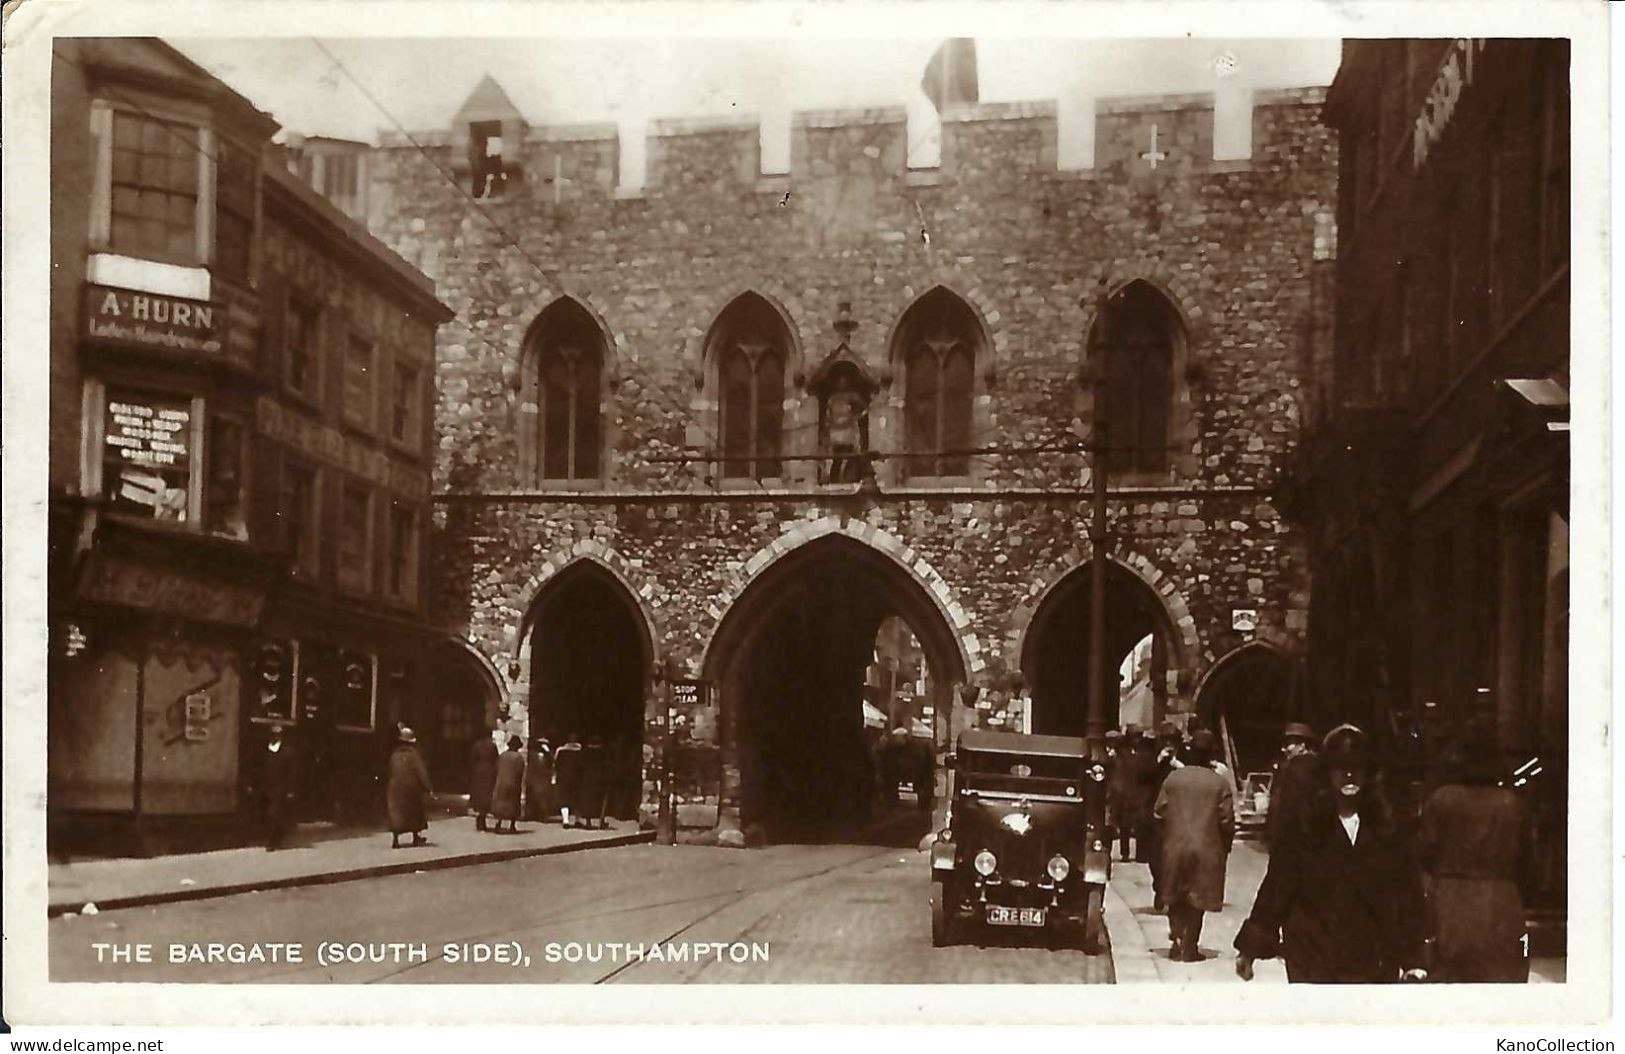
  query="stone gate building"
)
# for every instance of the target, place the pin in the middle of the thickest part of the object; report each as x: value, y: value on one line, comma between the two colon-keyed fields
x: 726, y: 422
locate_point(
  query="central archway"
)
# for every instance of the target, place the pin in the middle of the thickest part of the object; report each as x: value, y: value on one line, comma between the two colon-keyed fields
x: 791, y: 660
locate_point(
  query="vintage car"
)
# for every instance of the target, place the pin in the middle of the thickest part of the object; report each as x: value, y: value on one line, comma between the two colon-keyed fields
x: 1026, y: 844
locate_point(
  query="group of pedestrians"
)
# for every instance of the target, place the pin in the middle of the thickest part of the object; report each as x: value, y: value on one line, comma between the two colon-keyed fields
x: 568, y: 782
x: 1353, y: 893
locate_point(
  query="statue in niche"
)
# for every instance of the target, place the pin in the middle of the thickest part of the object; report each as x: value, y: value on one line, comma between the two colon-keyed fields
x: 844, y: 427
x: 843, y: 389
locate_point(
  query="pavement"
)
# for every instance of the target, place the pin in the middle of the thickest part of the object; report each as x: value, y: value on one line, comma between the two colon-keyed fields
x: 316, y: 854
x: 1140, y: 940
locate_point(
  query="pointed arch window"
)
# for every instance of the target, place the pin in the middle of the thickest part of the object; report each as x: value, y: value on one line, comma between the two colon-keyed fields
x: 750, y: 348
x: 1144, y: 330
x: 940, y: 341
x: 564, y: 378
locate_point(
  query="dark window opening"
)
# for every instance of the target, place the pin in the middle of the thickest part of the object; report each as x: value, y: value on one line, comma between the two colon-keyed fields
x: 485, y: 146
x: 299, y: 515
x: 1142, y: 334
x: 750, y: 345
x: 303, y: 346
x: 567, y: 366
x: 941, y: 340
x: 235, y: 173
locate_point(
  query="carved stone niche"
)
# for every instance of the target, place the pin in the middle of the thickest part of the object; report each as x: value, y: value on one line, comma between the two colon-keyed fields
x: 845, y: 389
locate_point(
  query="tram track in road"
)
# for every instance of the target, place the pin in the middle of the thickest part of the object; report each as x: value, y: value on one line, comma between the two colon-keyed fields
x: 732, y: 897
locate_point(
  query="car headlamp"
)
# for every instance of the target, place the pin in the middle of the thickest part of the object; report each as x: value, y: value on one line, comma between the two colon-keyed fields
x: 1097, y: 772
x: 1059, y: 867
x: 985, y: 863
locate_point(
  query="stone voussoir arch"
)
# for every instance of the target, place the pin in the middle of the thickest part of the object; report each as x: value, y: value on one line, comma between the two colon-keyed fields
x: 786, y: 305
x: 615, y: 350
x: 1177, y: 288
x: 910, y: 562
x: 1162, y: 585
x: 995, y: 335
x: 605, y: 558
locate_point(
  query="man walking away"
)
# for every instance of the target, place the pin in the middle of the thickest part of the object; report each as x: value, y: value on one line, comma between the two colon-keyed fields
x: 1196, y: 809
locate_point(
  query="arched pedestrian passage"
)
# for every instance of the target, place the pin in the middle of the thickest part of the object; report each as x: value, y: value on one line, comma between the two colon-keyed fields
x: 793, y: 662
x: 1248, y: 697
x: 1055, y: 652
x: 465, y: 696
x: 591, y: 659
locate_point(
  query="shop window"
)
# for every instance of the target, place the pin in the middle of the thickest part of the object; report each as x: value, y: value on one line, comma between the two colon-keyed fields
x: 360, y: 382
x: 147, y: 455
x: 404, y: 401
x: 563, y: 373
x: 303, y: 347
x: 403, y: 553
x: 236, y: 171
x: 355, y: 700
x: 940, y: 339
x: 225, y: 492
x: 355, y: 537
x: 298, y: 514
x: 154, y: 191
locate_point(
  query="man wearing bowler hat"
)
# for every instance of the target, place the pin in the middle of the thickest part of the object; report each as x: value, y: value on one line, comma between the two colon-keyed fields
x: 1294, y: 780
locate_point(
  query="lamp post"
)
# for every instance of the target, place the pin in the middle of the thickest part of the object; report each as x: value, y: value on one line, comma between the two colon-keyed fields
x: 1095, y: 721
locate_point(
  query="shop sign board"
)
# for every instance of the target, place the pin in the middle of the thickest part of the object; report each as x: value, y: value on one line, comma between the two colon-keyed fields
x: 131, y: 318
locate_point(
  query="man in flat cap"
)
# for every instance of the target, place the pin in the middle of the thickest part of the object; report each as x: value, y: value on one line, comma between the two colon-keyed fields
x: 1294, y: 780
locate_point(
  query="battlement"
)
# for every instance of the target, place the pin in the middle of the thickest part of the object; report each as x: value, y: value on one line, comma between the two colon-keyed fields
x: 1166, y: 136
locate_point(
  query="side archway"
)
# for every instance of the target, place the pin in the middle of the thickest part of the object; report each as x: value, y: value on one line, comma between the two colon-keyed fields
x: 466, y: 693
x: 586, y: 651
x: 1248, y: 697
x: 1151, y: 643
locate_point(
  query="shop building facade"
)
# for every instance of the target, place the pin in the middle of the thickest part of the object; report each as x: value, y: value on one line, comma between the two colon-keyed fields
x: 1435, y: 464
x: 241, y: 411
x: 724, y: 423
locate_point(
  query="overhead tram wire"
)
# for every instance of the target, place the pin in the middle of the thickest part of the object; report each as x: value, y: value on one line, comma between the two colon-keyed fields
x: 469, y: 203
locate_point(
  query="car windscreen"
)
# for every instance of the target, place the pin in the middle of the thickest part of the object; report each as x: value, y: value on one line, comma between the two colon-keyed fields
x: 1036, y: 772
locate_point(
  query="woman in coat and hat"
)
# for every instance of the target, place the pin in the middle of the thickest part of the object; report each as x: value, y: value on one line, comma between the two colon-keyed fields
x: 482, y: 777
x: 1341, y: 901
x: 1474, y: 845
x: 408, y: 791
x: 539, y: 804
x: 1196, y: 809
x: 567, y: 779
x: 510, y: 784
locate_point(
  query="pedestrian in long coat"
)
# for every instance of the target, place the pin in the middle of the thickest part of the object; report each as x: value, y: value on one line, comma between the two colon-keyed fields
x: 277, y: 789
x: 1473, y: 844
x: 567, y: 779
x: 593, y: 783
x: 1196, y: 809
x: 1157, y: 768
x: 1296, y: 780
x: 482, y: 777
x: 539, y: 803
x: 510, y: 784
x: 1341, y: 901
x: 408, y: 791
